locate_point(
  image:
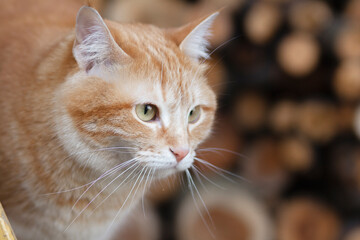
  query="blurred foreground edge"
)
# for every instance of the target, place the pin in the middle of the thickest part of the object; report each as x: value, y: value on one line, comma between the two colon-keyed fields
x: 6, y: 232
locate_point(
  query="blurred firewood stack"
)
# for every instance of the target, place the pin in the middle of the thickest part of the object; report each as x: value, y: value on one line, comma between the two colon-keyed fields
x: 288, y: 84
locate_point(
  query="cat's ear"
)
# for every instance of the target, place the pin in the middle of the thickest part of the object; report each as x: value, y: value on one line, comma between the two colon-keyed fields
x: 94, y: 47
x: 192, y: 38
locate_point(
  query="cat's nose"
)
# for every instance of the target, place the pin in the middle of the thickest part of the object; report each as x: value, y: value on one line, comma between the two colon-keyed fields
x: 179, y: 152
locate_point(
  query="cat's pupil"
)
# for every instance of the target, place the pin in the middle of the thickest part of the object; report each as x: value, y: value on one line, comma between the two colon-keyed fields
x: 147, y: 109
x: 191, y: 112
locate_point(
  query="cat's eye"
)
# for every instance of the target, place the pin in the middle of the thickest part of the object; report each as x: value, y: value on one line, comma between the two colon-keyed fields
x: 146, y: 112
x: 194, y: 114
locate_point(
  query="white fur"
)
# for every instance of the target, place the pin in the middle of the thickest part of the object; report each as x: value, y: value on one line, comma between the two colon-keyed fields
x: 94, y: 44
x: 195, y: 44
x: 95, y: 48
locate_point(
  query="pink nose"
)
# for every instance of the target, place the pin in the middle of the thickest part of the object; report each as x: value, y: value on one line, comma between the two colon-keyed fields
x: 179, y: 152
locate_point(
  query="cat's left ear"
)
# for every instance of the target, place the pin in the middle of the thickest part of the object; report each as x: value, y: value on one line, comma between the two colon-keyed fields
x: 94, y: 47
x: 192, y: 38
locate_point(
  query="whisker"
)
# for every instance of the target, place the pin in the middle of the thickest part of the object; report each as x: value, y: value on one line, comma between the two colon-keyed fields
x: 221, y: 45
x: 137, y: 188
x: 212, y: 52
x: 206, y: 178
x: 198, y: 178
x: 114, y: 170
x: 224, y: 150
x: 182, y: 181
x: 149, y: 176
x: 98, y: 195
x: 107, y: 173
x: 212, y: 68
x: 168, y: 183
x: 138, y: 165
x: 201, y: 199
x: 99, y: 150
x: 217, y: 172
x: 213, y: 167
x: 124, y: 203
x: 190, y: 185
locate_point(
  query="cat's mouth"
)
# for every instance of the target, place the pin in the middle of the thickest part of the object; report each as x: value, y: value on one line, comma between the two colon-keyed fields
x: 166, y: 168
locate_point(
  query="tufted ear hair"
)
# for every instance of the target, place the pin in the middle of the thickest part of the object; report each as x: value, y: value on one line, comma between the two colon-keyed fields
x: 192, y: 38
x: 94, y: 47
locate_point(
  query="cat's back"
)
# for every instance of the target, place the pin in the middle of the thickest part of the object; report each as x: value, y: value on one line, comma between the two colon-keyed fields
x: 20, y: 18
x: 28, y: 29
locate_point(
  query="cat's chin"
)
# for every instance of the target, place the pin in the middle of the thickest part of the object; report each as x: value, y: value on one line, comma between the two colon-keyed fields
x: 164, y: 173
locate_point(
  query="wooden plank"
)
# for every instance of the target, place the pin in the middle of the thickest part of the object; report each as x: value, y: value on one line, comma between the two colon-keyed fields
x: 6, y: 232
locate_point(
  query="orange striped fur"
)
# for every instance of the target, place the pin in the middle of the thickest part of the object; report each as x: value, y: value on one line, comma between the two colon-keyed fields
x: 59, y: 116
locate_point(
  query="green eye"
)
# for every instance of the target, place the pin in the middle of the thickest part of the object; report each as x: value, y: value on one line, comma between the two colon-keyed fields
x: 146, y: 112
x: 194, y: 114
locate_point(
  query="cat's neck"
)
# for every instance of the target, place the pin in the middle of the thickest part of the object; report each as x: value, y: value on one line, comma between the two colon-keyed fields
x: 59, y: 62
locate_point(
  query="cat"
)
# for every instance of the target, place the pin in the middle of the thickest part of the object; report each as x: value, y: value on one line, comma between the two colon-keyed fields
x: 91, y: 112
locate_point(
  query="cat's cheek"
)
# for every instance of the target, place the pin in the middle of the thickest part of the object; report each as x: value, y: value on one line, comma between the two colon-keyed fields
x: 200, y: 132
x: 185, y: 163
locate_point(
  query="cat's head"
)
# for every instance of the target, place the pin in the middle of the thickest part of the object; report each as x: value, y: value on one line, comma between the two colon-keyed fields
x: 139, y: 93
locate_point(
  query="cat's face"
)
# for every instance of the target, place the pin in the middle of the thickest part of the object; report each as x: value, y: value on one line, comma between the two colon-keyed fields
x: 147, y: 102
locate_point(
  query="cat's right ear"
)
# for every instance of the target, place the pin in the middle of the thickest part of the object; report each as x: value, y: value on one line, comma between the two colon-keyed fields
x: 192, y: 38
x: 94, y: 48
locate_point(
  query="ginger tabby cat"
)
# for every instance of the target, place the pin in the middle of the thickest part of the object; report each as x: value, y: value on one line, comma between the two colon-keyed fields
x: 93, y: 111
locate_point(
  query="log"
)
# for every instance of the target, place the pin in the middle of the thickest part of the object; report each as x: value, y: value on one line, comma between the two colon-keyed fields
x: 262, y: 21
x: 310, y: 16
x: 345, y: 118
x: 347, y: 80
x: 353, y: 234
x: 235, y: 214
x: 304, y: 218
x: 317, y: 121
x: 346, y: 168
x: 296, y: 153
x: 346, y: 44
x: 250, y: 111
x: 283, y: 116
x: 141, y: 224
x: 352, y: 11
x: 264, y: 168
x: 298, y: 54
